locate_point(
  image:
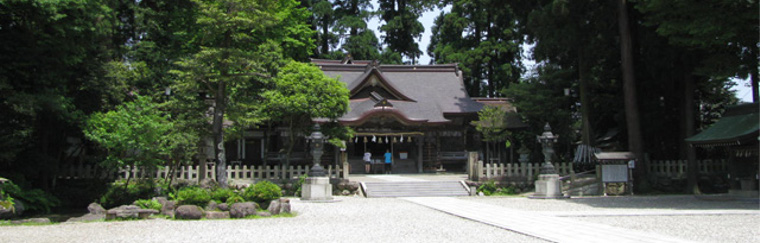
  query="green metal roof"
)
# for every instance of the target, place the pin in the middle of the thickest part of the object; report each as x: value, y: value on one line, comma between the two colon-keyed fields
x: 739, y: 126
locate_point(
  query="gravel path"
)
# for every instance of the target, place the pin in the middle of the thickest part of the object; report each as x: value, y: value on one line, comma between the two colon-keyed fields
x: 350, y: 220
x: 388, y: 220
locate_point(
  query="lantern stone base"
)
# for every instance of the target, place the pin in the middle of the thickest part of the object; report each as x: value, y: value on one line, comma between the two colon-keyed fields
x: 316, y: 189
x: 548, y: 187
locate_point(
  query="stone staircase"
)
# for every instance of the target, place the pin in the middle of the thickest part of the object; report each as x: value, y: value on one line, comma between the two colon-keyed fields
x: 585, y: 185
x: 415, y: 189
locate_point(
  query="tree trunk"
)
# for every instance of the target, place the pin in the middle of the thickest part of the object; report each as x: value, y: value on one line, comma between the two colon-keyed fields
x: 688, y: 122
x: 635, y: 143
x: 221, y: 160
x: 585, y: 104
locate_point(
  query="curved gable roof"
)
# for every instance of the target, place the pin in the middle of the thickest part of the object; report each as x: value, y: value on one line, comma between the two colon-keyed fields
x: 425, y: 92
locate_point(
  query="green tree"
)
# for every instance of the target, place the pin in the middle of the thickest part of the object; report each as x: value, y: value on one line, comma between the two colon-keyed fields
x: 51, y: 77
x: 300, y: 93
x: 135, y: 134
x: 402, y: 28
x: 240, y: 46
x: 492, y: 124
x: 480, y: 35
x: 351, y: 27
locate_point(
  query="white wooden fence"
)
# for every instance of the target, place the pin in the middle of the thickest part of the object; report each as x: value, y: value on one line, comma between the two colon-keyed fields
x: 517, y: 171
x: 678, y: 168
x: 193, y: 172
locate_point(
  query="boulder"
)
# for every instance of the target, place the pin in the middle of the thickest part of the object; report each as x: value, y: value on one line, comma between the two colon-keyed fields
x: 168, y: 208
x: 241, y: 210
x: 161, y: 200
x: 274, y: 207
x: 264, y: 214
x: 217, y: 215
x: 6, y: 213
x: 129, y: 212
x: 123, y: 212
x: 88, y: 218
x: 223, y: 207
x: 284, y: 205
x: 95, y: 208
x: 19, y: 206
x: 208, y: 184
x: 32, y: 220
x: 279, y: 206
x: 211, y: 206
x: 188, y: 212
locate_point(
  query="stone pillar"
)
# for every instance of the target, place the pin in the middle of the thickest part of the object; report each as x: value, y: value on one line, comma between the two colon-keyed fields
x: 317, y: 189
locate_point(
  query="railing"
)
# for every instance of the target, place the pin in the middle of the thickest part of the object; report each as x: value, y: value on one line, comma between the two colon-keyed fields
x: 193, y: 172
x: 525, y: 171
x: 678, y: 168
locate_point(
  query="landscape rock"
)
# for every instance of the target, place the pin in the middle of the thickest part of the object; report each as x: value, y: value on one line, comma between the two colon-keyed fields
x: 223, y: 207
x: 208, y: 184
x: 88, y: 218
x: 95, y: 208
x: 188, y: 212
x: 240, y: 210
x: 31, y: 220
x: 168, y: 208
x: 274, y: 207
x: 129, y: 212
x: 284, y: 205
x: 161, y: 200
x: 211, y: 206
x: 264, y: 214
x: 6, y: 213
x: 20, y: 207
x: 217, y: 215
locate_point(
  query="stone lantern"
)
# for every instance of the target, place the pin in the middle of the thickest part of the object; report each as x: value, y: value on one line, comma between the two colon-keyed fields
x: 317, y: 186
x: 548, y: 184
x: 316, y: 143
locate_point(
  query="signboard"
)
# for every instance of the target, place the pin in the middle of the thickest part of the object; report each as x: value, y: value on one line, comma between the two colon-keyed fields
x: 615, y: 173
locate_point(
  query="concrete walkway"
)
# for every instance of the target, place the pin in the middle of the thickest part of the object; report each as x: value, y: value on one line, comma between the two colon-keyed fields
x: 539, y: 225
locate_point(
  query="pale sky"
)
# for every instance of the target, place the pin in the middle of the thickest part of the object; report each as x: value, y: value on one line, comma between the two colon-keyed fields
x: 742, y: 88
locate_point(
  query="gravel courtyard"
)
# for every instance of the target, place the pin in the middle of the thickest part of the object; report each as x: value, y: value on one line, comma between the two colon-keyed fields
x: 354, y: 219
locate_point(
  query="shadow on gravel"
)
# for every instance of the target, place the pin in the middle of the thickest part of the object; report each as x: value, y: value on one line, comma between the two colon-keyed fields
x: 679, y: 202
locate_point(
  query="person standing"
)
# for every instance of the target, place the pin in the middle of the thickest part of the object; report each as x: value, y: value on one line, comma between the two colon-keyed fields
x: 388, y: 160
x: 367, y: 161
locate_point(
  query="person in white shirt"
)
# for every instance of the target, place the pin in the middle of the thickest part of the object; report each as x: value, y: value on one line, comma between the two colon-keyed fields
x: 367, y: 161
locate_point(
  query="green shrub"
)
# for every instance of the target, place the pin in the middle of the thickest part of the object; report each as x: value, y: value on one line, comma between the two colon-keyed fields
x: 149, y: 204
x: 234, y: 199
x: 262, y: 193
x: 491, y: 189
x: 221, y: 195
x: 117, y: 194
x: 193, y: 196
x: 35, y: 200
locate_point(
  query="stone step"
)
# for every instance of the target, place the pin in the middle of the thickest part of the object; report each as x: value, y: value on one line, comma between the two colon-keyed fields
x: 415, y: 189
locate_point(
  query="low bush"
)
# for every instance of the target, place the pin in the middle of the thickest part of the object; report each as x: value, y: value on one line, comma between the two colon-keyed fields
x: 491, y: 189
x: 193, y: 196
x: 148, y: 204
x: 234, y: 199
x: 262, y: 193
x: 35, y: 200
x: 118, y: 194
x: 221, y: 195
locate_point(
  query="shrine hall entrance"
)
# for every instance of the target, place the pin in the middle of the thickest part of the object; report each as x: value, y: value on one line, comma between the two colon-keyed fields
x: 404, y: 152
